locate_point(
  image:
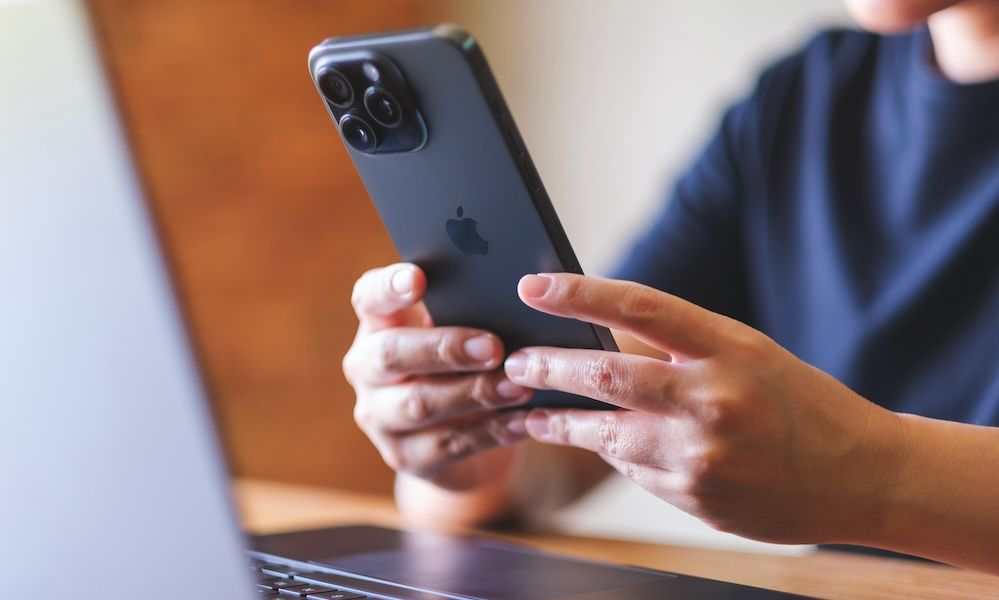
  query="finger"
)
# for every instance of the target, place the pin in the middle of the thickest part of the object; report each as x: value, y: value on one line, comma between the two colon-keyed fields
x: 392, y: 355
x: 424, y: 453
x: 428, y: 401
x: 389, y: 296
x: 624, y: 435
x: 625, y: 380
x: 656, y: 318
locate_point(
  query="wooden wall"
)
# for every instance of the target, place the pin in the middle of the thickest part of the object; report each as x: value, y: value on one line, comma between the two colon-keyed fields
x: 264, y: 217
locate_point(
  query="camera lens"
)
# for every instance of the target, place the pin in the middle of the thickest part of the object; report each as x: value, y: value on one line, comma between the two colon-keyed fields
x: 383, y: 107
x: 358, y: 134
x: 335, y: 87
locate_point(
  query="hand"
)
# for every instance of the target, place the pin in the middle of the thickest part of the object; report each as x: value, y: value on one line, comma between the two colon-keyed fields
x: 731, y: 428
x: 427, y: 396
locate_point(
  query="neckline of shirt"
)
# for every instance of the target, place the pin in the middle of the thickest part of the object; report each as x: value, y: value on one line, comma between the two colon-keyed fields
x: 928, y: 82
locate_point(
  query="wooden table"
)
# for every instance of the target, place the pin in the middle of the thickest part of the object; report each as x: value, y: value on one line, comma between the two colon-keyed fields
x: 268, y: 507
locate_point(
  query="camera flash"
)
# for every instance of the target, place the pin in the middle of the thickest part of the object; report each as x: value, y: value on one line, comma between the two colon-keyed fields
x: 371, y: 71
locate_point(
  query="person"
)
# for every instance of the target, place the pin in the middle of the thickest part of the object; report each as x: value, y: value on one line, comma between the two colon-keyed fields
x: 809, y: 330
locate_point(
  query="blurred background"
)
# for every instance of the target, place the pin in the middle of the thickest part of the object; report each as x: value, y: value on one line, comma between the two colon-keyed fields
x: 268, y: 226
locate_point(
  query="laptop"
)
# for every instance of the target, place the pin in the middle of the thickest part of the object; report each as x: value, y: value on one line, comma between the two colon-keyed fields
x: 112, y: 481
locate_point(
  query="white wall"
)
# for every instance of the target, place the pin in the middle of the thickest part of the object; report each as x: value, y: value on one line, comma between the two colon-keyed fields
x: 613, y: 99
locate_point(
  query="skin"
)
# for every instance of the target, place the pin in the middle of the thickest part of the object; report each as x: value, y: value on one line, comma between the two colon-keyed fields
x: 718, y: 419
x: 430, y: 410
x: 735, y: 430
x: 965, y: 33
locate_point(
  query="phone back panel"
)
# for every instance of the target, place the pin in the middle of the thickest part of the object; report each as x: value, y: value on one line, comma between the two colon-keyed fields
x: 473, y: 158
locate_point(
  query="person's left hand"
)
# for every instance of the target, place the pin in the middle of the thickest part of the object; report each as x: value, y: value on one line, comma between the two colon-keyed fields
x: 733, y: 429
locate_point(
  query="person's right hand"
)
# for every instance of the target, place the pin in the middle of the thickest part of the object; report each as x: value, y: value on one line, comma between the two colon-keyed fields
x: 427, y: 396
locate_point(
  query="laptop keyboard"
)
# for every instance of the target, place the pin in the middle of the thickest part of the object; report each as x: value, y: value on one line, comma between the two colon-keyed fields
x: 286, y: 583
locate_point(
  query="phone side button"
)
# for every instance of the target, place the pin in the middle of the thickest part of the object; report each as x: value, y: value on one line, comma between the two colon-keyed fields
x: 511, y: 134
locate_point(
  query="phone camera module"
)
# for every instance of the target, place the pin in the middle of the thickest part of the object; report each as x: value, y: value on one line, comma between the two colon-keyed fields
x: 335, y: 87
x: 358, y: 133
x: 369, y: 102
x: 371, y: 71
x: 383, y: 107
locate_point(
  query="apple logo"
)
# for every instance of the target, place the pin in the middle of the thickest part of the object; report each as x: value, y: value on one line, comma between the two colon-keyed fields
x: 465, y: 236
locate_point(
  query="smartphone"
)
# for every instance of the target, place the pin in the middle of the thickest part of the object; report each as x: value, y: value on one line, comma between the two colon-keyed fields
x: 432, y: 139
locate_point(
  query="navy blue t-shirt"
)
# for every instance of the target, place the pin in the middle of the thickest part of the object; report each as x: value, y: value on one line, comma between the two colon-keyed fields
x: 849, y: 208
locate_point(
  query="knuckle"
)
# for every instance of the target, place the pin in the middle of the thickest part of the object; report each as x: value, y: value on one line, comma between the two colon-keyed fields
x: 483, y: 392
x: 637, y: 474
x: 570, y: 290
x: 719, y: 413
x: 602, y: 378
x: 665, y: 386
x: 631, y: 472
x: 691, y: 488
x: 497, y: 433
x: 542, y: 367
x: 608, y: 433
x: 455, y: 444
x: 446, y: 350
x: 640, y: 302
x: 558, y: 428
x: 701, y: 469
x: 387, y: 353
x: 415, y: 405
x: 748, y: 343
x: 363, y: 416
x: 705, y: 468
x: 349, y: 365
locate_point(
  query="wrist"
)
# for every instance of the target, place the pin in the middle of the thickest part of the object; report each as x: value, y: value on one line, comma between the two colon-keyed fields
x: 890, y: 490
x: 472, y: 492
x: 880, y: 474
x: 938, y: 501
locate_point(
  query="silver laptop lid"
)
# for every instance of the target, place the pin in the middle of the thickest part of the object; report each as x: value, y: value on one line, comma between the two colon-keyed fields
x: 111, y: 482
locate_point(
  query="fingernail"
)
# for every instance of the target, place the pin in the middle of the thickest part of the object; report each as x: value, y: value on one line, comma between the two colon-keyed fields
x: 402, y: 281
x: 537, y: 423
x: 480, y: 348
x: 516, y: 424
x: 515, y: 366
x: 510, y: 390
x: 535, y: 286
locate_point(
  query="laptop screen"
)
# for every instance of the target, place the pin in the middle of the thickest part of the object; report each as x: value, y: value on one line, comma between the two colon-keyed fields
x: 108, y: 457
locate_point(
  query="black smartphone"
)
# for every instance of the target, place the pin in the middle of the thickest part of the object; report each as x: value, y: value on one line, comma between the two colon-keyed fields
x: 440, y: 156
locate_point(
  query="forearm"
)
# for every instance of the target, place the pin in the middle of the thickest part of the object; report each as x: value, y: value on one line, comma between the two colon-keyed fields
x: 945, y: 501
x: 534, y: 482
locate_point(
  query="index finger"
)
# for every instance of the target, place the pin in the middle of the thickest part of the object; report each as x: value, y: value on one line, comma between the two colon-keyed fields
x: 656, y: 318
x: 384, y: 297
x: 633, y: 382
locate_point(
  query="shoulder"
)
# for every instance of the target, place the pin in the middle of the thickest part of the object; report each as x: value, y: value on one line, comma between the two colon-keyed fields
x: 830, y: 59
x: 833, y: 66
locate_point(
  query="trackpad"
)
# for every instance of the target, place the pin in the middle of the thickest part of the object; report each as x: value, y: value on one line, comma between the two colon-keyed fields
x: 474, y: 570
x: 469, y: 566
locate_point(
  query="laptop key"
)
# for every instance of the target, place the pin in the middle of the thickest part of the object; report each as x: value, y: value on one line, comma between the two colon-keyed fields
x: 278, y: 570
x: 305, y: 590
x: 336, y: 595
x: 277, y: 583
x: 366, y: 587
